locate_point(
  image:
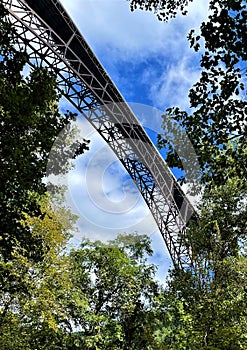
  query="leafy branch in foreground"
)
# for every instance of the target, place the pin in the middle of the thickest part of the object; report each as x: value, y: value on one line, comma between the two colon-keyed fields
x: 164, y: 9
x: 217, y: 125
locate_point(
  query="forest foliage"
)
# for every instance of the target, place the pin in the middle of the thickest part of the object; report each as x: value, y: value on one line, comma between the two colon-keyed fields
x: 105, y: 295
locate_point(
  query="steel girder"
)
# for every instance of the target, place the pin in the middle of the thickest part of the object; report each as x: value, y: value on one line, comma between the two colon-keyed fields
x: 51, y: 39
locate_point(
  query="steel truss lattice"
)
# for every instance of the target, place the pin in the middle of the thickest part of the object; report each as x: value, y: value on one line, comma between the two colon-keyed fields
x: 51, y: 39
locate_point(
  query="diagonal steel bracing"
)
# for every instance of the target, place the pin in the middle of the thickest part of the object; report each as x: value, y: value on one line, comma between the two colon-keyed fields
x: 51, y: 39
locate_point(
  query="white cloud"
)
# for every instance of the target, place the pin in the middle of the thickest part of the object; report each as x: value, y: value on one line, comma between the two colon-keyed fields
x: 101, y: 198
x: 171, y: 88
x: 101, y: 192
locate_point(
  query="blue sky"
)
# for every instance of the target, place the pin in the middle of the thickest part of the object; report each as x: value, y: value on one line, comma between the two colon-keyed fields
x: 152, y: 65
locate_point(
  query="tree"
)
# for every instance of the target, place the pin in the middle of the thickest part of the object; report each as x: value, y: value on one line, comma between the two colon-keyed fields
x: 113, y: 299
x: 33, y: 271
x: 30, y: 121
x: 33, y: 293
x: 206, y: 308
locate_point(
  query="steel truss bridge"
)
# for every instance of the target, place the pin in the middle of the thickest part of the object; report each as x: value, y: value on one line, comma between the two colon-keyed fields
x: 49, y: 36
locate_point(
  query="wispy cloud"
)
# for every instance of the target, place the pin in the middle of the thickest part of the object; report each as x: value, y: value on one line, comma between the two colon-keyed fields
x: 171, y: 88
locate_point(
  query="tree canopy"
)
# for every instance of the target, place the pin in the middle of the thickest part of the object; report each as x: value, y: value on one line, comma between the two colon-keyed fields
x: 118, y: 289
